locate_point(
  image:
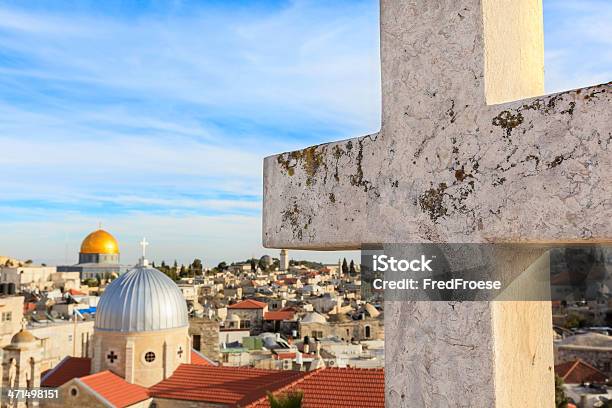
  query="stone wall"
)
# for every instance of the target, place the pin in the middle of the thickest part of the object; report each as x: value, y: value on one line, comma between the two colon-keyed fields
x: 354, y: 329
x: 208, y: 330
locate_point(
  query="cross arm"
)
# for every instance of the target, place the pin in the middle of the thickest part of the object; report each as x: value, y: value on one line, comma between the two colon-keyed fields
x: 315, y: 198
x: 546, y: 167
x: 533, y: 170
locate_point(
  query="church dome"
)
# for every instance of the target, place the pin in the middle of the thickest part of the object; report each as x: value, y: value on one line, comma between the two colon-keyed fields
x: 22, y: 337
x: 142, y: 299
x: 99, y: 242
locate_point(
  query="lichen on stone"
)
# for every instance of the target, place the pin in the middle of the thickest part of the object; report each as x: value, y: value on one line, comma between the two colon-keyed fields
x: 508, y: 121
x: 432, y: 202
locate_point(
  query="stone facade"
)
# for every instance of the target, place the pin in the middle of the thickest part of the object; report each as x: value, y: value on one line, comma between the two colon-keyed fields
x: 204, y: 335
x: 249, y: 318
x: 58, y: 340
x: 11, y: 315
x: 28, y: 276
x: 143, y: 358
x: 352, y: 330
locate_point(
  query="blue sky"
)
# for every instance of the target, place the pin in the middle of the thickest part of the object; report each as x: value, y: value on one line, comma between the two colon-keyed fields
x: 154, y: 117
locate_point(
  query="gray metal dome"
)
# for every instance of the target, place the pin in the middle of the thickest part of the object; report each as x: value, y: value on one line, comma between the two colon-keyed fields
x: 142, y: 299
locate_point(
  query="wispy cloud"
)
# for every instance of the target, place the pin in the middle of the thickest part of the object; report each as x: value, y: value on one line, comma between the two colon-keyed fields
x: 112, y: 111
x: 578, y: 43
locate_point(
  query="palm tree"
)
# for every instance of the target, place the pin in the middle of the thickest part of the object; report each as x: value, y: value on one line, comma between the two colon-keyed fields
x: 291, y: 399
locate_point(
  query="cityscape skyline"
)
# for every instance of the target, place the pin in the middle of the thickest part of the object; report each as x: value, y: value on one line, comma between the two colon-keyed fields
x: 154, y: 119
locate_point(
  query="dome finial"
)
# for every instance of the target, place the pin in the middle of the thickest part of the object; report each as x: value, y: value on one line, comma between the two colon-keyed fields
x: 143, y: 260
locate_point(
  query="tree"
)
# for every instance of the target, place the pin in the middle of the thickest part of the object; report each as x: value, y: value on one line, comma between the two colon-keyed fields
x: 352, y: 270
x: 345, y: 269
x: 196, y: 266
x: 262, y: 265
x: 561, y: 399
x: 222, y: 266
x: 291, y: 399
x: 253, y: 265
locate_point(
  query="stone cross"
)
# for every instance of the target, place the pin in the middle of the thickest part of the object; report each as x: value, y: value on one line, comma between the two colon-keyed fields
x: 459, y: 158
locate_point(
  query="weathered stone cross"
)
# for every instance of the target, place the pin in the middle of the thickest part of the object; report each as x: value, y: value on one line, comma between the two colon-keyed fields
x: 457, y: 161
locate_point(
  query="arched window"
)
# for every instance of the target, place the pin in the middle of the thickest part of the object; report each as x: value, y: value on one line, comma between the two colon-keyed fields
x: 368, y: 332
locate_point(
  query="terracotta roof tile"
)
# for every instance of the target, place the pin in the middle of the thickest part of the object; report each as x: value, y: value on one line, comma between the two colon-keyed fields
x: 248, y: 304
x: 66, y: 370
x: 233, y: 386
x: 577, y: 372
x: 115, y: 389
x: 200, y: 359
x: 338, y: 388
x: 279, y: 315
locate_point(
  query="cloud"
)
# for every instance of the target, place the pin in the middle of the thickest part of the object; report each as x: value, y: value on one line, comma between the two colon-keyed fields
x: 147, y: 117
x: 578, y: 43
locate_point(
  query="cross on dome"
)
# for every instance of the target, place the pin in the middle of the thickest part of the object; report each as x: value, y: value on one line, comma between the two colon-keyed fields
x: 143, y: 244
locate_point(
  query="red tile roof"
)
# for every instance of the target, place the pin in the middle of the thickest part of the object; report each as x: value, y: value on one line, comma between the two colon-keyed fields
x: 578, y: 372
x: 200, y: 359
x: 66, y: 370
x: 115, y: 389
x: 233, y: 386
x: 279, y: 315
x: 338, y: 388
x: 75, y: 292
x: 248, y: 304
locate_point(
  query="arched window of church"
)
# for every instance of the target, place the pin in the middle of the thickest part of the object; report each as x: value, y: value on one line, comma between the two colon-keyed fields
x: 367, y: 332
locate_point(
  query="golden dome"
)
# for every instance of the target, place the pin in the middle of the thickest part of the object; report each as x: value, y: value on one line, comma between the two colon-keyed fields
x: 99, y: 242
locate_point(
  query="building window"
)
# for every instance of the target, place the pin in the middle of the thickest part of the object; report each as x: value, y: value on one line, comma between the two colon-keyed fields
x: 149, y: 357
x: 368, y: 332
x: 317, y: 334
x: 197, y: 342
x: 7, y: 316
x: 74, y: 391
x: 606, y: 366
x: 245, y: 324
